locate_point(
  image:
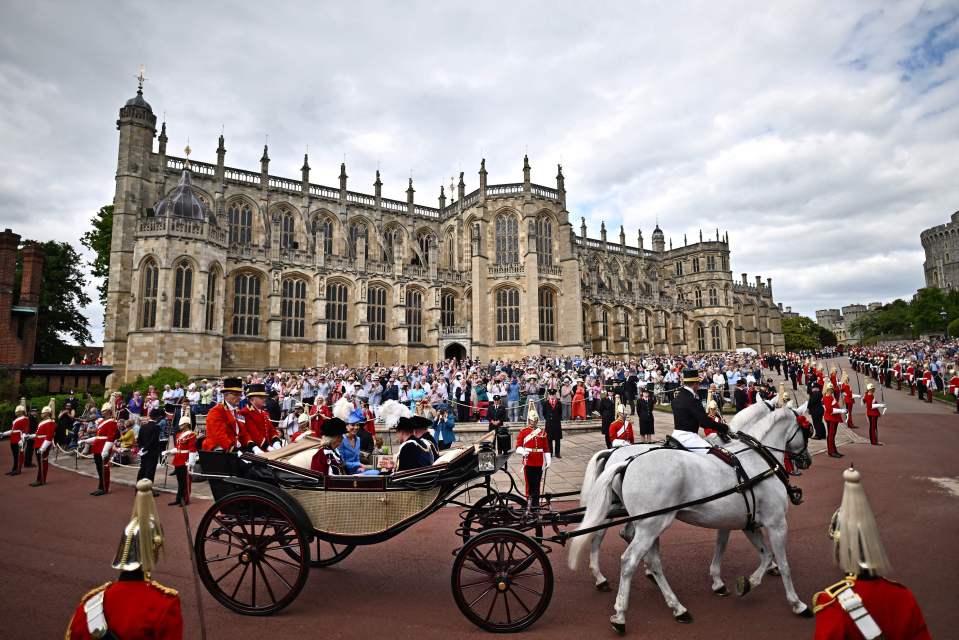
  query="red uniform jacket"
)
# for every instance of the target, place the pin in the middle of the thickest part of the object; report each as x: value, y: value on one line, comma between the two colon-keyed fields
x: 926, y: 377
x: 44, y: 433
x: 910, y: 373
x: 19, y: 428
x: 255, y: 426
x: 107, y: 431
x: 185, y: 445
x: 622, y: 431
x: 891, y: 605
x: 846, y: 391
x: 536, y: 442
x: 953, y: 385
x: 829, y: 403
x: 898, y: 370
x: 832, y: 379
x: 869, y: 398
x: 133, y: 609
x: 222, y: 429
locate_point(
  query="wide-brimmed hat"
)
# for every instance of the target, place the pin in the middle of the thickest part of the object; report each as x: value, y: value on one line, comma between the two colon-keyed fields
x: 333, y: 427
x: 256, y: 389
x: 232, y: 385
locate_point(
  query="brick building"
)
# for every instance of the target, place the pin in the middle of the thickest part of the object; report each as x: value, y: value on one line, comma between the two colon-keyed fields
x: 18, y: 313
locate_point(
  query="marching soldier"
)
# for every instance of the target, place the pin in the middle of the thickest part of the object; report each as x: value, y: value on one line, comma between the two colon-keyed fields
x: 134, y: 606
x: 18, y: 433
x: 929, y: 382
x: 621, y: 430
x: 846, y: 394
x: 954, y: 386
x: 910, y: 378
x: 184, y: 457
x: 223, y: 420
x: 864, y: 604
x: 42, y: 441
x: 833, y: 415
x: 873, y: 413
x: 533, y: 444
x: 101, y: 445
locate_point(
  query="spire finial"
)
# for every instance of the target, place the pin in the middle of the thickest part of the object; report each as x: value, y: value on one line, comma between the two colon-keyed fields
x: 187, y: 151
x: 141, y: 78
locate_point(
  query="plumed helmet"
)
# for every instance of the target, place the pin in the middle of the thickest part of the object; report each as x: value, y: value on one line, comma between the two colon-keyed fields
x: 855, y: 532
x: 185, y: 417
x: 621, y: 410
x: 531, y: 415
x: 870, y: 387
x: 22, y: 407
x: 49, y: 408
x: 107, y: 406
x: 303, y: 419
x: 142, y: 537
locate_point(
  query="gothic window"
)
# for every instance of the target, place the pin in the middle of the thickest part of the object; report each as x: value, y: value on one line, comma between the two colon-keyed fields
x: 701, y: 336
x: 544, y: 241
x: 713, y: 298
x: 547, y: 315
x: 710, y: 263
x: 326, y: 226
x: 211, y: 282
x: 359, y: 230
x: 336, y: 299
x: 182, y: 294
x: 414, y: 317
x: 240, y: 219
x: 699, y: 298
x: 695, y: 265
x: 507, y: 314
x: 450, y: 251
x: 423, y: 240
x: 293, y: 308
x: 448, y: 310
x: 389, y: 244
x: 287, y: 231
x: 679, y: 268
x: 717, y: 341
x: 246, y: 305
x: 604, y: 324
x: 725, y: 264
x: 586, y: 331
x: 507, y: 239
x: 626, y: 334
x: 149, y: 279
x: 376, y: 313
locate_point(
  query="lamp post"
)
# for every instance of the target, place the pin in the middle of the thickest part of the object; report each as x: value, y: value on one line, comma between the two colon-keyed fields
x: 945, y: 318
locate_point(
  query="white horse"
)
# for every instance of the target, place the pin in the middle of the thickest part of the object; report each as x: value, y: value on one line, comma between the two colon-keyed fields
x: 664, y: 478
x: 604, y: 458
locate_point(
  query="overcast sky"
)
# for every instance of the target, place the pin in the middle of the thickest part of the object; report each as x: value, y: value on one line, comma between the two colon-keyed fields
x: 823, y: 136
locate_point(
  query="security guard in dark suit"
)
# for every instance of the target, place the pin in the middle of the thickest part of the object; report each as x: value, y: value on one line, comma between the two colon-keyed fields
x: 689, y: 415
x: 739, y: 395
x: 496, y: 414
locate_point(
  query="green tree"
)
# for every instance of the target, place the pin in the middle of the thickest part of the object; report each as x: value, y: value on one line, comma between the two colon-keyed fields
x: 98, y: 240
x: 62, y: 299
x: 800, y: 334
x: 826, y: 337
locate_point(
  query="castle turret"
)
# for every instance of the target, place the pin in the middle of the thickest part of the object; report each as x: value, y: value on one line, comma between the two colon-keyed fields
x: 659, y: 240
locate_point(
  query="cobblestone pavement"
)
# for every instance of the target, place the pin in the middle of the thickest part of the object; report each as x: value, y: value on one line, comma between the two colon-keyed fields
x: 580, y: 442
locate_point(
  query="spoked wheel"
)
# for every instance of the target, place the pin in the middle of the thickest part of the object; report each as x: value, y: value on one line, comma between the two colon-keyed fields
x: 492, y: 511
x: 251, y: 555
x: 328, y: 553
x: 502, y: 580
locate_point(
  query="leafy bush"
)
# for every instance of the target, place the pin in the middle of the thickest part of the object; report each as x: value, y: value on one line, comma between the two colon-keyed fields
x: 159, y: 378
x: 33, y: 386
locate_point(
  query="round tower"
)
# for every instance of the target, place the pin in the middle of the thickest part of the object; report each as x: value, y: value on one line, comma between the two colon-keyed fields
x: 659, y: 240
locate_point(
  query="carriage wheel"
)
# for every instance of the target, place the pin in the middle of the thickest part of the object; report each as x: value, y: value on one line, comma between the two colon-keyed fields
x: 328, y: 553
x: 239, y: 553
x: 502, y: 580
x: 490, y: 512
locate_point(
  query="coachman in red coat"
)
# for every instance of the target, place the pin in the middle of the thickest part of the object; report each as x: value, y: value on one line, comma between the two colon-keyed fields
x: 134, y: 606
x: 864, y: 604
x: 223, y: 420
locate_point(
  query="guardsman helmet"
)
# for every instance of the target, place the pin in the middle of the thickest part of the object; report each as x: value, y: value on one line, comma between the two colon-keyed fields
x: 142, y: 537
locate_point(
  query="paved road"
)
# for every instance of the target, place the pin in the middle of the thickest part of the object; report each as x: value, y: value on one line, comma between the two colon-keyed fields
x: 59, y: 542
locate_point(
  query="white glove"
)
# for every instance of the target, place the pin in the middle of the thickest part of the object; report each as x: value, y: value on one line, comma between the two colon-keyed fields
x: 274, y: 446
x: 107, y: 448
x: 619, y: 443
x: 522, y: 451
x: 549, y: 460
x: 191, y: 459
x: 4, y: 435
x: 856, y: 395
x: 43, y: 447
x: 838, y: 412
x: 257, y: 451
x: 88, y: 440
x: 878, y: 405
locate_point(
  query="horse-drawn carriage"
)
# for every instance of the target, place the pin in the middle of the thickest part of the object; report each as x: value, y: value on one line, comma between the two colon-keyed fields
x: 273, y: 520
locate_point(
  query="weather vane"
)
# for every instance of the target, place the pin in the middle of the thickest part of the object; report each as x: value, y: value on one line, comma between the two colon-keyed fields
x: 141, y: 78
x: 187, y: 150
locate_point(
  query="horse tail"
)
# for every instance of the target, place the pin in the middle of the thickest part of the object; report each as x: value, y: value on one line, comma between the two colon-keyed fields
x: 597, y: 508
x: 593, y: 469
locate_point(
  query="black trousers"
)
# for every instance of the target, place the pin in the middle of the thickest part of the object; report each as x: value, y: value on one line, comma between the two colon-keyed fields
x: 534, y: 478
x: 15, y: 454
x: 820, y: 428
x: 554, y: 446
x: 28, y: 454
x: 181, y: 480
x: 98, y: 463
x: 148, y: 467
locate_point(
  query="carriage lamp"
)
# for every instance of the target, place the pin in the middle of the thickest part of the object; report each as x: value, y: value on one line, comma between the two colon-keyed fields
x: 486, y: 458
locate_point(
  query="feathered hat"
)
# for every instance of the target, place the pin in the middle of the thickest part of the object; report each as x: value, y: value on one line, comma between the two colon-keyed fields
x: 532, y: 415
x: 391, y: 411
x: 855, y: 532
x: 50, y: 408
x: 142, y: 538
x: 185, y: 417
x: 22, y: 407
x: 342, y: 409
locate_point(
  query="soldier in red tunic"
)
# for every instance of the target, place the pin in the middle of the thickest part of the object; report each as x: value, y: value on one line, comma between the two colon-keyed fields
x: 222, y: 422
x: 910, y: 379
x: 184, y: 457
x: 873, y: 413
x: 864, y: 604
x: 833, y: 416
x: 533, y: 444
x: 42, y: 441
x: 101, y: 445
x: 19, y: 429
x: 847, y: 399
x: 621, y: 431
x: 954, y: 386
x: 134, y: 606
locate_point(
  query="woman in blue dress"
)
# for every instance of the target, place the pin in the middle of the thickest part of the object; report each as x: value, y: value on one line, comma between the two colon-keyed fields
x: 349, y: 451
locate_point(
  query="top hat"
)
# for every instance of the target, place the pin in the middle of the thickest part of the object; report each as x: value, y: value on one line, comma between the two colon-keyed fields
x: 255, y: 389
x: 232, y: 385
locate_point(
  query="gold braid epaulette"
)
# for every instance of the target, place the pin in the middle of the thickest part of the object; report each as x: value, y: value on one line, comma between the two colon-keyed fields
x: 86, y: 596
x: 832, y: 592
x: 167, y: 590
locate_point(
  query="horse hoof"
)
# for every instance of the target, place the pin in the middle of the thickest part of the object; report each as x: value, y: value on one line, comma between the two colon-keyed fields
x: 773, y: 571
x: 722, y: 591
x: 684, y: 618
x: 604, y: 586
x: 619, y: 628
x: 806, y: 613
x: 651, y: 577
x: 743, y: 586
